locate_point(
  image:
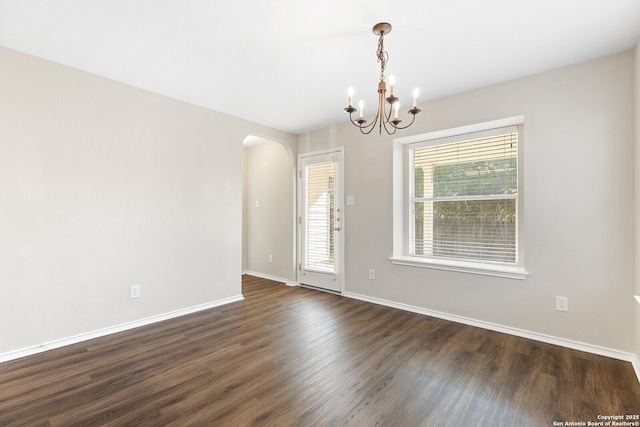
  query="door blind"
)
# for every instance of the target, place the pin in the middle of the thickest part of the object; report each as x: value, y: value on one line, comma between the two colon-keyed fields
x: 319, y: 217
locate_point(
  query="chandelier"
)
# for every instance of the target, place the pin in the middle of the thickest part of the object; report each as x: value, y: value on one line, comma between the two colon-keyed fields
x: 383, y: 117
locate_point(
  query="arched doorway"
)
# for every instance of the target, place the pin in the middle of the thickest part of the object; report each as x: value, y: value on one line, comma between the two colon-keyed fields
x: 268, y: 209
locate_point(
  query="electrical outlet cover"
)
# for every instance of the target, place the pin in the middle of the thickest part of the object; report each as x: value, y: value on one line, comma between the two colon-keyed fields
x: 134, y: 291
x: 562, y: 303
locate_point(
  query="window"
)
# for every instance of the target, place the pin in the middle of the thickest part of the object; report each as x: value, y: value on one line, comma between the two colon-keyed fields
x: 461, y: 201
x: 463, y: 198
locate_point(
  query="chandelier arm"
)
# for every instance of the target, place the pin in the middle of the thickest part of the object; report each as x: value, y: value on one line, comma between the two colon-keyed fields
x: 367, y: 132
x: 390, y: 111
x: 392, y: 127
x: 404, y: 127
x: 387, y: 119
x: 389, y: 123
x: 370, y: 126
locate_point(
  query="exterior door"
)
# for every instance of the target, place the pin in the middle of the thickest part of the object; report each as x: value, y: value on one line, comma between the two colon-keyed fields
x: 321, y: 220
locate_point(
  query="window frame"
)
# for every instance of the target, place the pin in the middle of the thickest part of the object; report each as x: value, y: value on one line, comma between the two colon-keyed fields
x: 402, y: 204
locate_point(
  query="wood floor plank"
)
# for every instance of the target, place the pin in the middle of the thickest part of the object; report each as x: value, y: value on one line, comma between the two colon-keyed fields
x: 298, y: 357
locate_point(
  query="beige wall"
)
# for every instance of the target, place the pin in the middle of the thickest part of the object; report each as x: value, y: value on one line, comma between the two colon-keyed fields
x: 578, y: 192
x: 268, y: 229
x: 103, y: 186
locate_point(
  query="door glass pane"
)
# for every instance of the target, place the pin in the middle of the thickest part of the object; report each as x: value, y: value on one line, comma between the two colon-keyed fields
x: 320, y: 217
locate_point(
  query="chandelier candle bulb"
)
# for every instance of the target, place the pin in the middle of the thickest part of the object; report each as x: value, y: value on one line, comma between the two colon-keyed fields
x: 350, y: 92
x: 361, y: 107
x: 392, y: 81
x: 416, y: 92
x: 396, y: 107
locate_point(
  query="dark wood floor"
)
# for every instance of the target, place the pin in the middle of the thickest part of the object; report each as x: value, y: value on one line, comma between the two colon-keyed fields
x: 298, y: 357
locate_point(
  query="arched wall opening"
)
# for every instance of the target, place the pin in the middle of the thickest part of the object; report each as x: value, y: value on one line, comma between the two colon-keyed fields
x: 268, y: 209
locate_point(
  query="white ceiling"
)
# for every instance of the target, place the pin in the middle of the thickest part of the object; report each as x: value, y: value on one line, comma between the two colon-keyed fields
x: 288, y: 63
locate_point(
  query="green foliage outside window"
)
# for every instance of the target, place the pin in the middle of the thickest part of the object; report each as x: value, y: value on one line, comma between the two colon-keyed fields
x: 482, y: 229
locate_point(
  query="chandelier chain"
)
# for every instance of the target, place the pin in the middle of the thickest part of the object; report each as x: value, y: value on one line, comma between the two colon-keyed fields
x: 383, y: 56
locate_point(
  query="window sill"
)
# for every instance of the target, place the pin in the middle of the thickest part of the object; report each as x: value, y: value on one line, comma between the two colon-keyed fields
x: 462, y: 267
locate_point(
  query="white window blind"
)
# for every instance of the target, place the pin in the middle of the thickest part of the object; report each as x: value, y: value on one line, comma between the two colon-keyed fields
x: 319, y: 215
x: 463, y: 198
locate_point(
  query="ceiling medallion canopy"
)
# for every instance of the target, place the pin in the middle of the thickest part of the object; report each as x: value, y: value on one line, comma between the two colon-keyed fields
x: 383, y: 117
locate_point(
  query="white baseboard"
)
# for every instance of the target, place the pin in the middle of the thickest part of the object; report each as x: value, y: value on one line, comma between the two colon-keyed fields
x: 16, y: 354
x: 575, y: 345
x: 269, y: 277
x: 636, y: 365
